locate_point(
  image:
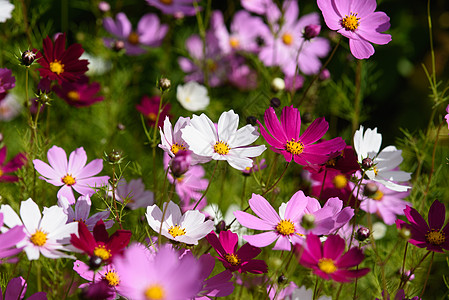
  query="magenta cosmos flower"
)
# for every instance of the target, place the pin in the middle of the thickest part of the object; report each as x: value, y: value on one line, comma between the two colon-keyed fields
x: 61, y: 64
x: 234, y: 259
x: 72, y: 174
x: 13, y: 165
x: 357, y: 21
x: 149, y: 33
x: 282, y: 227
x: 284, y: 137
x: 328, y: 261
x: 149, y: 108
x: 80, y: 93
x: 432, y: 236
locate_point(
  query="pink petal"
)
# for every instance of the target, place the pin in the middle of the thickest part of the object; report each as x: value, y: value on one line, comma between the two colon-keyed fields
x: 333, y: 247
x: 273, y: 125
x: 67, y: 192
x: 315, y: 131
x: 350, y: 259
x: 331, y: 16
x: 361, y: 48
x: 58, y: 160
x: 229, y: 241
x: 261, y: 239
x: 77, y: 161
x: 291, y: 122
x: 92, y: 168
x: 263, y: 209
x: 252, y: 222
x: 47, y: 171
x: 363, y: 7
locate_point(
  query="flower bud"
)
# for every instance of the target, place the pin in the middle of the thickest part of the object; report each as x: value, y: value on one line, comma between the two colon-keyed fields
x: 278, y: 84
x: 308, y: 221
x: 28, y: 57
x: 118, y: 45
x: 311, y: 31
x: 306, y: 117
x: 95, y: 262
x: 325, y: 74
x: 367, y: 163
x: 114, y: 157
x: 362, y: 234
x: 405, y: 233
x: 103, y: 6
x: 251, y: 120
x: 370, y: 189
x: 282, y: 279
x: 121, y: 127
x: 221, y: 226
x: 180, y: 163
x: 43, y: 98
x: 275, y: 102
x: 164, y: 84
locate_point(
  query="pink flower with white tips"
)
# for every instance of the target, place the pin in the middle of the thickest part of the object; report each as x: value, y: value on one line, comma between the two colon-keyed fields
x: 72, y: 174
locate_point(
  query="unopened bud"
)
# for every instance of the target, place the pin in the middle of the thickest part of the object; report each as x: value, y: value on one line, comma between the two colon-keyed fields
x: 367, y: 163
x: 28, y: 57
x: 308, y: 221
x: 95, y: 262
x: 118, y: 45
x: 278, y: 84
x: 405, y: 233
x: 362, y: 234
x: 221, y: 226
x: 275, y: 102
x: 306, y: 117
x: 164, y: 84
x: 114, y: 157
x: 282, y: 279
x: 104, y: 6
x: 325, y: 74
x: 43, y: 98
x: 121, y: 127
x: 311, y: 31
x: 251, y: 120
x: 180, y: 164
x: 370, y: 189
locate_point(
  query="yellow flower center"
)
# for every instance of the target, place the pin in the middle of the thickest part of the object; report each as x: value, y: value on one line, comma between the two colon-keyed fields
x: 285, y: 227
x: 1, y: 173
x: 57, y: 67
x: 68, y: 180
x: 287, y: 39
x: 350, y: 22
x: 155, y: 292
x: 176, y: 147
x: 133, y: 38
x: 378, y: 195
x: 294, y: 147
x: 327, y: 265
x: 73, y: 95
x: 112, y: 278
x: 102, y: 252
x: 221, y: 148
x: 376, y: 170
x: 233, y: 259
x: 340, y: 181
x: 435, y: 237
x: 234, y: 42
x: 176, y: 231
x: 152, y: 116
x: 166, y: 2
x: 39, y: 238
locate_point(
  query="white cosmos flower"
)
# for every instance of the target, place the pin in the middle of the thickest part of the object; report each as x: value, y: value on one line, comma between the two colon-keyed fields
x: 5, y: 10
x: 186, y: 228
x: 47, y: 234
x: 223, y: 142
x: 192, y: 96
x: 385, y: 163
x: 171, y: 140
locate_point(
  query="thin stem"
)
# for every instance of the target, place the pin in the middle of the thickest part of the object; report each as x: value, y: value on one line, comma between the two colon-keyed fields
x: 316, y: 288
x: 39, y: 277
x: 357, y: 97
x: 202, y: 32
x: 412, y: 271
x: 319, y: 73
x: 432, y: 53
x: 339, y: 291
x: 277, y: 181
x: 114, y: 187
x: 28, y: 276
x: 427, y: 276
x: 403, y: 261
x: 322, y: 184
x: 70, y: 285
x: 207, y: 188
x: 25, y: 21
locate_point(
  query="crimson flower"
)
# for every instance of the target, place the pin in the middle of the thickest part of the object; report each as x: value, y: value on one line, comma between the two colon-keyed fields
x: 100, y: 243
x: 431, y: 236
x: 240, y: 260
x: 59, y: 63
x: 284, y: 137
x: 149, y: 107
x: 80, y: 93
x: 13, y: 165
x: 328, y: 260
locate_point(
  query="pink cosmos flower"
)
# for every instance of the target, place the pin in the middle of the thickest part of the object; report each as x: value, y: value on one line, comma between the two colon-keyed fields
x: 386, y: 203
x: 336, y: 184
x: 259, y: 7
x: 328, y: 261
x: 134, y: 192
x: 240, y: 260
x: 149, y: 107
x: 283, y: 227
x: 80, y: 93
x: 8, y: 242
x: 174, y: 7
x: 7, y: 82
x: 432, y: 236
x: 16, y: 289
x: 284, y: 137
x: 149, y: 33
x: 72, y: 174
x: 163, y: 277
x: 357, y: 21
x: 13, y: 165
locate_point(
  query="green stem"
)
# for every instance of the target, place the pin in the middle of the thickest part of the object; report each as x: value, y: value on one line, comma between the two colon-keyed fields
x: 427, y: 276
x: 207, y: 188
x: 357, y: 97
x: 277, y: 181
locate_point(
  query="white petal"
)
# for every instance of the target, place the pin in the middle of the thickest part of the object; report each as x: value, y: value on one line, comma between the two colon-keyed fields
x: 30, y: 214
x: 244, y: 136
x: 227, y: 125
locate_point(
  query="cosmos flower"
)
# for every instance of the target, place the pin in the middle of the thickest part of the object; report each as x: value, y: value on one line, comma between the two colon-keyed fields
x: 186, y: 228
x: 380, y: 166
x: 171, y: 139
x: 46, y: 233
x: 13, y: 165
x: 234, y: 259
x: 192, y: 96
x: 7, y: 81
x: 100, y: 243
x: 430, y: 235
x: 223, y: 142
x: 328, y: 261
x: 134, y: 193
x: 5, y: 11
x: 282, y: 227
x: 149, y: 107
x: 174, y: 7
x: 72, y: 174
x: 17, y: 287
x: 59, y: 63
x: 284, y: 137
x: 358, y: 21
x: 80, y: 93
x: 149, y: 32
x: 8, y: 242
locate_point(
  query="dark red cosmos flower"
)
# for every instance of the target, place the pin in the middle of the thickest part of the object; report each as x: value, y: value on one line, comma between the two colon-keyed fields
x: 431, y: 236
x: 240, y: 260
x: 61, y: 64
x: 149, y: 108
x: 328, y: 260
x: 80, y: 93
x: 100, y: 243
x: 13, y: 165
